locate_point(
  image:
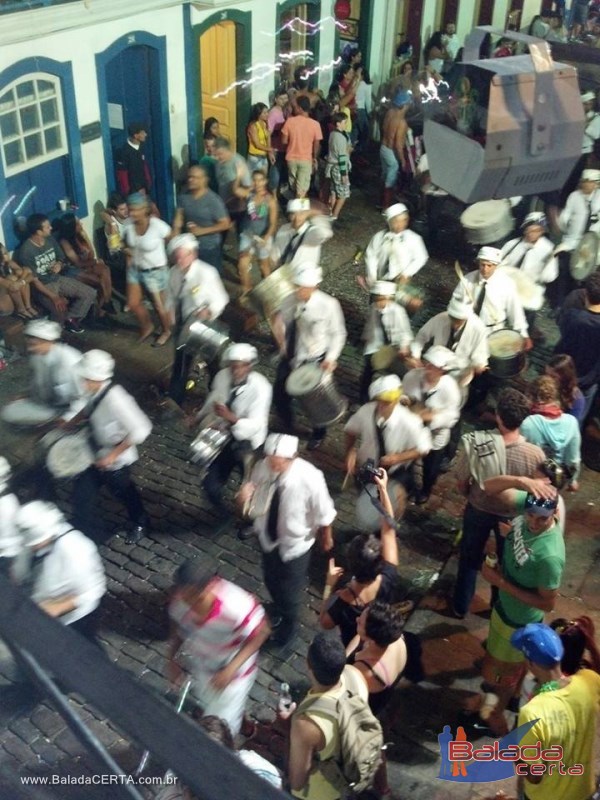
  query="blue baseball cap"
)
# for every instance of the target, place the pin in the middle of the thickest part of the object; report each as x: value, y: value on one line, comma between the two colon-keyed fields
x: 540, y: 506
x: 402, y: 98
x: 539, y: 643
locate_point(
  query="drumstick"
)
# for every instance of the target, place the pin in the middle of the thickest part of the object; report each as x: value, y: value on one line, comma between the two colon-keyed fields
x: 461, y: 277
x: 345, y: 483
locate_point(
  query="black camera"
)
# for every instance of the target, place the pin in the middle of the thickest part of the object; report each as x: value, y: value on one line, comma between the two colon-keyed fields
x: 368, y: 472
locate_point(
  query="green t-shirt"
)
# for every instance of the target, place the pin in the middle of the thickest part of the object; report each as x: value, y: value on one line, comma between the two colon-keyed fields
x: 531, y: 561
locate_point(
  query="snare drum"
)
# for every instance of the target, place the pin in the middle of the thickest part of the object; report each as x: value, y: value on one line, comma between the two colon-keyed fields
x: 205, y: 341
x: 409, y: 296
x: 487, y: 221
x: 316, y: 392
x: 208, y: 444
x: 66, y: 454
x: 268, y: 296
x: 507, y: 353
x: 28, y: 414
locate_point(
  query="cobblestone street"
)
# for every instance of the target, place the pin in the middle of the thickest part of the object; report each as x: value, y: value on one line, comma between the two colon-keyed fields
x: 34, y: 739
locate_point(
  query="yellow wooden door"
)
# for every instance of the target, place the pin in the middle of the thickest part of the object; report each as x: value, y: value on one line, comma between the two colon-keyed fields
x: 218, y: 67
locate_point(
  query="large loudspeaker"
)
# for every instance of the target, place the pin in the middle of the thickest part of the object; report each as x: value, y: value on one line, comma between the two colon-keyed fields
x: 531, y: 125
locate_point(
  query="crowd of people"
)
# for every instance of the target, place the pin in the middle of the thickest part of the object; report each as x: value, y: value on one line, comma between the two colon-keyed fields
x: 416, y: 389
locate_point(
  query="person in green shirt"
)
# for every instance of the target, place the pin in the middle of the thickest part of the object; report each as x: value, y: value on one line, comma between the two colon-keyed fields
x: 528, y: 581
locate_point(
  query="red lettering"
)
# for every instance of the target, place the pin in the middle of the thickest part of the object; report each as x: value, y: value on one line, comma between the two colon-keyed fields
x: 522, y: 769
x: 485, y: 753
x: 537, y: 769
x: 550, y: 768
x: 460, y: 751
x: 554, y: 753
x: 576, y: 769
x: 561, y: 769
x: 510, y: 753
x: 534, y: 749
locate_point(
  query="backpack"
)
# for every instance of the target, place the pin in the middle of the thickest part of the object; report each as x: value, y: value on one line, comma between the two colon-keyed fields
x: 486, y: 452
x: 360, y: 737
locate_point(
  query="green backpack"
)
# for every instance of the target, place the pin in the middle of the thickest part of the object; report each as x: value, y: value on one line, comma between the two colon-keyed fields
x: 360, y: 738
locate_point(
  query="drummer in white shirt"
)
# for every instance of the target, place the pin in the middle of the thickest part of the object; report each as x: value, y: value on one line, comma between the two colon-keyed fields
x: 291, y: 507
x: 387, y: 324
x: 239, y: 401
x: 299, y: 240
x: 64, y: 566
x: 10, y: 537
x: 55, y: 390
x: 393, y: 437
x: 582, y: 210
x: 195, y: 289
x: 437, y: 398
x: 309, y: 328
x: 533, y: 254
x: 396, y: 254
x: 116, y: 425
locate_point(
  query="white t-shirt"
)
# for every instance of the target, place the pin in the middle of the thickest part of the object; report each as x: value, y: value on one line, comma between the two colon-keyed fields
x: 148, y: 251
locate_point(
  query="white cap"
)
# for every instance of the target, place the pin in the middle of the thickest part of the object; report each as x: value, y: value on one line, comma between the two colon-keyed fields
x: 587, y: 97
x: 184, y: 241
x: 307, y: 274
x: 535, y: 218
x: 491, y: 254
x: 590, y: 175
x: 282, y: 445
x: 387, y: 383
x: 5, y: 471
x: 241, y: 352
x: 440, y: 356
x: 43, y: 329
x: 96, y: 365
x: 298, y: 204
x: 395, y: 211
x: 384, y: 289
x: 459, y: 309
x: 39, y: 521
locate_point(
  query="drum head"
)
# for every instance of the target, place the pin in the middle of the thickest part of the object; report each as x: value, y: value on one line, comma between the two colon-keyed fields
x: 28, y: 413
x: 487, y: 221
x: 304, y: 380
x: 505, y: 343
x: 384, y: 357
x: 585, y: 257
x: 69, y: 456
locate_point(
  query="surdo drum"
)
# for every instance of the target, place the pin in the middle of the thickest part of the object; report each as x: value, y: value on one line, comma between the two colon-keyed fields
x: 208, y: 444
x: 507, y: 353
x: 488, y: 221
x: 66, y: 454
x: 267, y: 296
x: 204, y: 341
x: 316, y: 392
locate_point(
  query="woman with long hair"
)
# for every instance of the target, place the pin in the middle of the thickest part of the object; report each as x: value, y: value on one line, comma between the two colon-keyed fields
x: 16, y: 282
x: 212, y: 128
x: 562, y: 368
x: 80, y: 253
x: 258, y: 227
x: 260, y: 152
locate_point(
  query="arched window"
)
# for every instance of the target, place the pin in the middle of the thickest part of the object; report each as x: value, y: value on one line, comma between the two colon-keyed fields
x: 32, y: 125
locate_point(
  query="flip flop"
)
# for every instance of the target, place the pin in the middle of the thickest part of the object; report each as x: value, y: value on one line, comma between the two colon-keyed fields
x: 162, y: 340
x: 145, y: 336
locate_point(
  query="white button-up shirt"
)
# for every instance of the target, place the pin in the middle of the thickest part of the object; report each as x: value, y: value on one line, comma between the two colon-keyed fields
x: 443, y: 399
x: 591, y: 132
x: 320, y: 327
x: 251, y: 405
x: 10, y: 536
x: 200, y: 287
x: 305, y: 505
x: 54, y: 379
x: 402, y: 431
x: 73, y: 567
x: 311, y: 236
x: 534, y: 260
x: 396, y: 323
x: 471, y: 350
x: 393, y: 255
x: 501, y: 307
x: 574, y: 218
x: 117, y: 417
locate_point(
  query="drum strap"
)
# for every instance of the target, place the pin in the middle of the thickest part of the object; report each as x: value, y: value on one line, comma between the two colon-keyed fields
x: 379, y: 435
x: 455, y: 337
x: 92, y: 406
x: 235, y: 390
x: 386, y: 336
x: 480, y: 299
x: 293, y: 245
x: 273, y: 514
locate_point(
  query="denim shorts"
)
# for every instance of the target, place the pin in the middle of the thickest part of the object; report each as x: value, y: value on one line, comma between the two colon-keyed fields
x: 390, y: 166
x: 154, y: 280
x: 249, y: 245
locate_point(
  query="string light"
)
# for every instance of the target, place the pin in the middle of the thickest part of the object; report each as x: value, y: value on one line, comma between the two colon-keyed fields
x: 26, y: 197
x: 430, y: 92
x: 8, y: 202
x: 270, y: 69
x: 322, y: 68
x: 296, y: 54
x: 310, y: 28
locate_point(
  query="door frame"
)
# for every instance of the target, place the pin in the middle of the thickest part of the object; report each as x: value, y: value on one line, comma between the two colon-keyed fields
x: 158, y: 43
x: 243, y: 53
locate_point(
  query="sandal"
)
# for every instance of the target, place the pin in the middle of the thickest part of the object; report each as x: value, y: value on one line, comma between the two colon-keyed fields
x: 162, y: 339
x: 144, y: 336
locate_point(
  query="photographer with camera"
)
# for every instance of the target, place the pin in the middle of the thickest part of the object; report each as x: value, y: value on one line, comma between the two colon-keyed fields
x: 391, y: 437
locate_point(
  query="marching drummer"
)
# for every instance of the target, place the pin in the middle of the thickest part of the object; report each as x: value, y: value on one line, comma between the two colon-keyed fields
x: 195, y: 289
x: 300, y: 239
x: 239, y: 400
x: 117, y: 425
x: 293, y: 510
x: 55, y: 390
x: 396, y: 254
x: 533, y: 254
x: 493, y: 295
x: 309, y: 328
x: 387, y: 325
x: 10, y: 535
x: 437, y: 395
x: 392, y: 436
